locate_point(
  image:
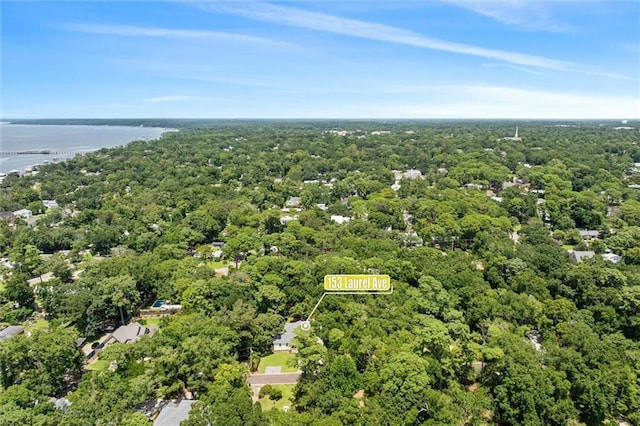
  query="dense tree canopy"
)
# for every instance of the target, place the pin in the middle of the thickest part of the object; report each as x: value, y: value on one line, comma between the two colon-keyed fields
x: 489, y: 323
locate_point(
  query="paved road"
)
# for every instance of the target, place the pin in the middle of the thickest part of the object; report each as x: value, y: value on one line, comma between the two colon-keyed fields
x: 273, y: 379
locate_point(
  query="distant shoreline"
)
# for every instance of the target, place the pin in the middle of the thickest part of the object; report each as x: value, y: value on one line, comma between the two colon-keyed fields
x: 47, y: 143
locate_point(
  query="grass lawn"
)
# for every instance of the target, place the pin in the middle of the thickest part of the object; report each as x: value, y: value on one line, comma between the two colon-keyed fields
x: 99, y: 365
x: 287, y: 394
x: 217, y: 264
x: 38, y: 325
x: 275, y: 360
x: 150, y: 321
x: 567, y: 247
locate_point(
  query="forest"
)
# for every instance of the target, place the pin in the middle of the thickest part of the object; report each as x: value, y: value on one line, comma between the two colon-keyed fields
x: 515, y: 264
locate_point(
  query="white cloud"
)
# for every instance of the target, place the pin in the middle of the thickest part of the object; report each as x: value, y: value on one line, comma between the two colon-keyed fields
x: 373, y: 31
x: 514, y: 67
x: 134, y: 31
x: 528, y: 15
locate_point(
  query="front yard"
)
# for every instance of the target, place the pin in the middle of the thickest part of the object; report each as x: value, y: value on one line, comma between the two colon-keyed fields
x: 287, y: 395
x: 278, y: 359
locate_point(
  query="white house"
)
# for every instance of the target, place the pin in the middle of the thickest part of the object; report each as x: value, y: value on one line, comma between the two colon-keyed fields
x: 340, y: 219
x: 23, y: 213
x: 284, y: 340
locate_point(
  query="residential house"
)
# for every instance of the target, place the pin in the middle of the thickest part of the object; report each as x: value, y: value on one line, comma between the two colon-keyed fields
x: 50, y: 204
x: 587, y: 235
x: 413, y: 174
x: 292, y: 202
x: 130, y: 333
x: 284, y: 340
x: 9, y: 332
x: 578, y: 256
x: 8, y: 216
x: 174, y: 412
x: 515, y: 182
x: 473, y: 186
x: 340, y: 219
x: 23, y: 213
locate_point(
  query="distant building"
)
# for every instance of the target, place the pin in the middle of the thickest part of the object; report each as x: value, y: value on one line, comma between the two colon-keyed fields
x: 8, y: 216
x: 413, y: 174
x: 23, y: 213
x: 513, y: 138
x: 340, y: 219
x: 292, y: 202
x: 587, y: 234
x: 284, y: 340
x: 473, y: 186
x: 50, y: 204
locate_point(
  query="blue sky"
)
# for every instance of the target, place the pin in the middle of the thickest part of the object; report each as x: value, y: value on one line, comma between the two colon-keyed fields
x: 328, y: 59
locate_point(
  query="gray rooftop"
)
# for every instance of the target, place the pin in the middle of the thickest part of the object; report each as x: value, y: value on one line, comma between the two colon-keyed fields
x: 578, y: 256
x: 131, y: 332
x: 287, y: 336
x: 173, y: 413
x: 10, y: 331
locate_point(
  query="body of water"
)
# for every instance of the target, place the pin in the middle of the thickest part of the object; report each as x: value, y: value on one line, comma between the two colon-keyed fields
x: 68, y: 140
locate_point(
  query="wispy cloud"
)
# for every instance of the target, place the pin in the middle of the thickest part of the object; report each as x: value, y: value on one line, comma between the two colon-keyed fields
x: 514, y: 67
x: 373, y: 31
x: 135, y: 31
x: 529, y: 15
x: 317, y: 21
x: 178, y: 98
